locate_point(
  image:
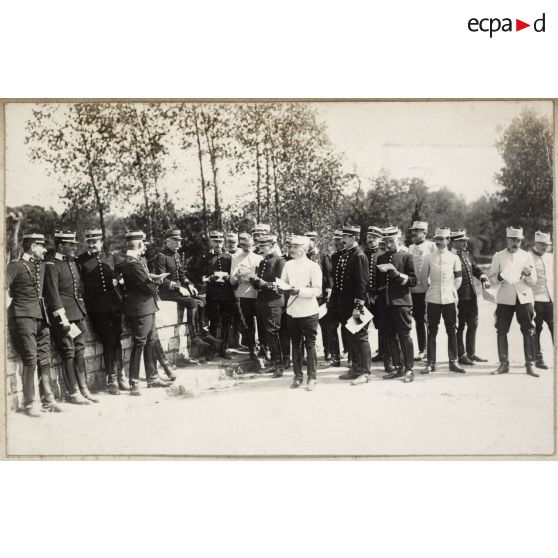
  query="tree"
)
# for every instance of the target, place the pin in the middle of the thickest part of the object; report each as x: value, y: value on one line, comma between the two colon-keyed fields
x: 75, y: 142
x: 525, y: 196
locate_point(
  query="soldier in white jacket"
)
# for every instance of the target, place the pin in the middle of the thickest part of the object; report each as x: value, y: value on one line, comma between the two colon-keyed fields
x: 543, y: 292
x: 513, y: 269
x: 441, y: 277
x: 419, y: 250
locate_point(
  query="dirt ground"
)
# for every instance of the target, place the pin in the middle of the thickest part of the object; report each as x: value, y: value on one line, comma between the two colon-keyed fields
x: 440, y: 414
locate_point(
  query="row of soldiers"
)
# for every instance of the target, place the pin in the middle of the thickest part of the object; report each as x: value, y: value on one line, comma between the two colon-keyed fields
x: 251, y: 284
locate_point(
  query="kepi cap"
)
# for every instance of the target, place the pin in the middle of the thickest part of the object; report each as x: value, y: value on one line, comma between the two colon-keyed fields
x: 442, y: 232
x: 390, y: 232
x: 299, y: 240
x: 37, y: 238
x: 419, y: 226
x: 216, y: 235
x: 175, y: 234
x: 376, y: 231
x: 134, y: 235
x: 93, y: 234
x: 512, y: 232
x: 65, y: 236
x: 543, y: 237
x: 352, y: 230
x: 459, y: 235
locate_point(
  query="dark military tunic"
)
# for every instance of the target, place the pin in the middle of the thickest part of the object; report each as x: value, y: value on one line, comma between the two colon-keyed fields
x: 169, y: 261
x: 104, y: 304
x: 27, y: 317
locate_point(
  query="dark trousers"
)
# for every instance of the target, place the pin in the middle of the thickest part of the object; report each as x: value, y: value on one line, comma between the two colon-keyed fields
x: 433, y: 314
x: 324, y: 328
x: 395, y: 324
x: 248, y: 309
x: 108, y: 328
x: 143, y: 342
x: 303, y: 332
x: 419, y: 311
x: 31, y: 338
x: 285, y: 336
x: 524, y: 314
x: 468, y: 313
x: 544, y: 312
x: 271, y: 322
x: 220, y: 313
x: 359, y: 350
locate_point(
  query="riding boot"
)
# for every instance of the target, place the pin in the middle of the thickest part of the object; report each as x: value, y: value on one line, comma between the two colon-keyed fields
x: 45, y: 389
x: 28, y: 384
x: 81, y: 373
x: 529, y: 348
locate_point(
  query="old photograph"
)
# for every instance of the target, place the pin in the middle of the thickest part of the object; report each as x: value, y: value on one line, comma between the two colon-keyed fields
x: 279, y: 278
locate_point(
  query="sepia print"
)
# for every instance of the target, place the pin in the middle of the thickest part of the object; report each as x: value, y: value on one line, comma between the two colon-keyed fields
x: 279, y: 278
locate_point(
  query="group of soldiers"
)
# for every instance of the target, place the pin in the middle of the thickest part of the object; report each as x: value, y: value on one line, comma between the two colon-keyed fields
x: 276, y: 300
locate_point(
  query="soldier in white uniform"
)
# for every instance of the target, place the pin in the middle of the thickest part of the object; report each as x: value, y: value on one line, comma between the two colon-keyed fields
x: 441, y: 276
x: 543, y: 292
x: 419, y: 250
x: 514, y: 270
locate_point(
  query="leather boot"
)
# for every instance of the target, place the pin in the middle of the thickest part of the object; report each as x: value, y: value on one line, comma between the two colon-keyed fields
x: 529, y: 348
x: 530, y: 370
x: 28, y: 384
x: 45, y: 389
x: 81, y: 373
x: 454, y: 367
x: 431, y: 349
x: 502, y: 344
x: 69, y: 376
x: 112, y: 385
x: 122, y: 382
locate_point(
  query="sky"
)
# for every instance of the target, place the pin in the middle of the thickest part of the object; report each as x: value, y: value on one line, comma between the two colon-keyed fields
x: 449, y: 144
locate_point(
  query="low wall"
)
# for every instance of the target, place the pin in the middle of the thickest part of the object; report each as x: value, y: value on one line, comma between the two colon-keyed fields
x: 172, y: 332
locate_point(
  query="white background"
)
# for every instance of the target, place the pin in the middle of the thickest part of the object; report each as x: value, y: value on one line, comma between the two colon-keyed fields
x: 281, y: 49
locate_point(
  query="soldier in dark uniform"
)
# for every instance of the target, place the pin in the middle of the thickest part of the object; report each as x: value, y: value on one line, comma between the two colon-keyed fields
x: 139, y: 308
x: 348, y: 297
x: 333, y: 323
x: 467, y: 307
x: 28, y: 323
x: 177, y: 287
x: 324, y: 261
x: 104, y: 306
x: 220, y: 301
x: 231, y: 247
x: 63, y: 289
x: 270, y: 302
x: 395, y: 304
x: 373, y: 238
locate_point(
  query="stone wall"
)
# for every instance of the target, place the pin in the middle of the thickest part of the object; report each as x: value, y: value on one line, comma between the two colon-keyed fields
x: 172, y: 332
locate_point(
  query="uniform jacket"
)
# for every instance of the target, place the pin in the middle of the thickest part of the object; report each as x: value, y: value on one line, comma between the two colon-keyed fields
x: 268, y: 270
x: 141, y: 292
x: 324, y: 261
x: 396, y: 291
x: 64, y: 288
x: 98, y: 275
x: 170, y: 262
x: 250, y: 261
x: 523, y: 289
x: 25, y: 280
x: 350, y: 278
x: 372, y: 271
x: 217, y: 290
x: 544, y: 289
x: 440, y: 276
x: 419, y: 252
x: 469, y: 270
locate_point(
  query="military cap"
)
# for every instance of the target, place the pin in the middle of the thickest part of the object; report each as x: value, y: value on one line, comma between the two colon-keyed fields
x: 289, y: 238
x: 231, y: 236
x: 37, y: 238
x: 512, y: 232
x: 175, y: 234
x: 376, y: 231
x: 93, y: 234
x: 299, y: 240
x: 337, y: 234
x: 390, y: 232
x: 459, y: 235
x: 351, y: 230
x: 442, y: 232
x: 265, y: 239
x: 311, y: 234
x: 419, y: 226
x: 543, y: 237
x: 216, y: 235
x: 65, y: 236
x: 134, y: 235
